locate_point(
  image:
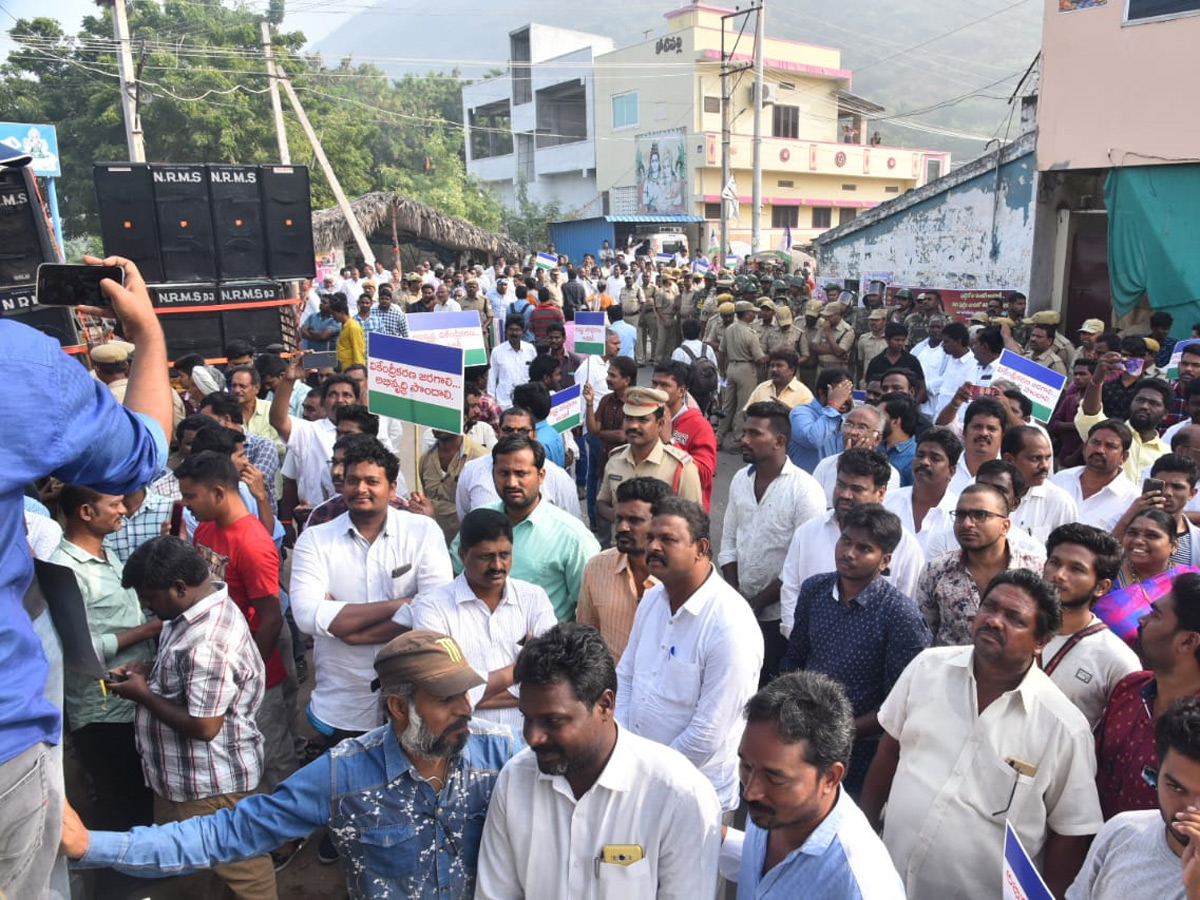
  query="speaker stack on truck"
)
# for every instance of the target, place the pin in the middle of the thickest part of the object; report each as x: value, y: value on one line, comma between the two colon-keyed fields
x: 214, y: 242
x: 25, y: 243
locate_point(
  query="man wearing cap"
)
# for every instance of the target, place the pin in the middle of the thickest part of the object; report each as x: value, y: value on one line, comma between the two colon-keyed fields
x: 871, y: 343
x: 1088, y: 332
x: 667, y: 306
x: 740, y: 354
x: 833, y: 290
x: 872, y: 300
x: 904, y: 306
x: 645, y: 454
x: 929, y: 304
x: 717, y: 324
x: 835, y: 340
x: 810, y: 333
x: 631, y: 297
x: 404, y: 803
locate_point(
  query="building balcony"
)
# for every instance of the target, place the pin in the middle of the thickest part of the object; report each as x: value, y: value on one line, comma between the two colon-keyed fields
x: 494, y: 168
x: 575, y: 156
x: 783, y: 156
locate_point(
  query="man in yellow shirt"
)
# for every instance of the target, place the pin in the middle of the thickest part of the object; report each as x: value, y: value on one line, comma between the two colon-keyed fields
x: 351, y: 346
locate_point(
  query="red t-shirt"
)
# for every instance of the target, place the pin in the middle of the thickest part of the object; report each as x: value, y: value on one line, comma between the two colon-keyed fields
x: 244, y: 557
x: 693, y: 434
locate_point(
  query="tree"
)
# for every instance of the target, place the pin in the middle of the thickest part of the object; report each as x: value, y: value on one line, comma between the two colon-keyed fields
x: 529, y: 223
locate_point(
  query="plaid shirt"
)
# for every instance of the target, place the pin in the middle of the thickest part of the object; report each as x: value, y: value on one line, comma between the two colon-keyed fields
x: 370, y: 323
x: 1178, y: 411
x: 208, y: 663
x: 489, y: 410
x: 144, y: 524
x: 264, y: 456
x: 390, y: 321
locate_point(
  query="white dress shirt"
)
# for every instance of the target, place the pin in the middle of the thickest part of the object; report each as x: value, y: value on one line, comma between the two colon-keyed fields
x: 541, y: 843
x: 900, y: 502
x: 1043, y: 508
x: 489, y: 640
x: 811, y: 553
x: 309, y: 449
x: 954, y: 374
x: 756, y: 534
x: 332, y: 565
x: 509, y: 368
x: 942, y: 827
x: 1105, y: 507
x: 684, y: 678
x: 826, y: 475
x: 477, y: 488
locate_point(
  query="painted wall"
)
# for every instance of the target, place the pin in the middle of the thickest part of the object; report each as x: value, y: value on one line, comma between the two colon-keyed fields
x: 1116, y: 94
x: 965, y: 238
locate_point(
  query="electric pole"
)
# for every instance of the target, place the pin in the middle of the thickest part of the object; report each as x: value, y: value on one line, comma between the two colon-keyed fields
x: 756, y: 193
x: 128, y: 81
x: 285, y: 155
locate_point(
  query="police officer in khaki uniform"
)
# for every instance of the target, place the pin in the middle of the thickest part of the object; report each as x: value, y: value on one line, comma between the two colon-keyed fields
x: 718, y: 323
x: 870, y: 345
x: 1062, y: 347
x: 739, y: 355
x: 809, y: 334
x: 1041, y: 347
x: 646, y: 454
x: 666, y: 309
x: 835, y: 340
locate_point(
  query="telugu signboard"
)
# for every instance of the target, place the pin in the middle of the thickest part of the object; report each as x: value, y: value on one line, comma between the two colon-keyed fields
x: 565, y: 409
x: 451, y: 329
x: 959, y: 304
x: 1041, y: 385
x: 589, y: 333
x: 415, y: 381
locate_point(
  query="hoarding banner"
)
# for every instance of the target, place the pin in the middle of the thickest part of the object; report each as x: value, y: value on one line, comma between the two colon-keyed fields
x: 661, y: 169
x: 959, y: 304
x: 1041, y: 385
x: 415, y: 381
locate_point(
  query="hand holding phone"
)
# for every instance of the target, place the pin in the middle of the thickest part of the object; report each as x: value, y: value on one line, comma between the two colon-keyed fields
x: 1152, y: 486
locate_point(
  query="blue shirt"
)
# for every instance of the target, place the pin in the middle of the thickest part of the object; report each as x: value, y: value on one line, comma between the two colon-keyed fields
x: 396, y: 836
x: 628, y: 335
x: 843, y: 859
x: 901, y: 456
x: 317, y: 322
x: 549, y: 438
x: 65, y: 423
x: 864, y: 645
x: 816, y: 434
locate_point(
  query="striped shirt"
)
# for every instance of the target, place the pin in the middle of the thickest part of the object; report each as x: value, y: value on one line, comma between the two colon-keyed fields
x: 609, y: 598
x: 208, y: 663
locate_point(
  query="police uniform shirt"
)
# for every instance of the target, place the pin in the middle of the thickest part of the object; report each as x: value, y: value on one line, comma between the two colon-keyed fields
x: 739, y: 343
x: 667, y: 463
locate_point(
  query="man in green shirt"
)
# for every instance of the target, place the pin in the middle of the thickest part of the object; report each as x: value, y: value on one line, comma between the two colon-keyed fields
x: 101, y: 724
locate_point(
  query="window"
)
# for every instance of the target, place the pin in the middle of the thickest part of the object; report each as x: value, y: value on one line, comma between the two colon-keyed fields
x: 846, y: 214
x: 787, y: 86
x: 849, y: 187
x: 625, y: 110
x: 785, y: 184
x: 892, y: 189
x: 822, y: 217
x: 491, y: 130
x: 933, y: 169
x: 561, y: 115
x: 785, y: 121
x: 1145, y: 10
x: 522, y: 74
x: 785, y: 216
x: 712, y: 210
x: 712, y: 104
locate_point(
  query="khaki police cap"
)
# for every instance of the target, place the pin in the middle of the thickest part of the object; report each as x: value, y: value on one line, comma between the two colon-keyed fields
x: 643, y: 401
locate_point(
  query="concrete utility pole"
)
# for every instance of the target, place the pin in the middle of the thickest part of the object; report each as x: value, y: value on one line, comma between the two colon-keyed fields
x: 726, y: 103
x: 336, y: 186
x: 756, y: 194
x: 285, y: 155
x: 129, y: 107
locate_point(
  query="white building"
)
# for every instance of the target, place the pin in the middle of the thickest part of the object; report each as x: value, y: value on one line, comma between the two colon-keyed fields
x: 534, y: 124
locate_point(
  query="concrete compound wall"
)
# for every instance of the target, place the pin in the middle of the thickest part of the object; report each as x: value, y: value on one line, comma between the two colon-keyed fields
x: 975, y: 234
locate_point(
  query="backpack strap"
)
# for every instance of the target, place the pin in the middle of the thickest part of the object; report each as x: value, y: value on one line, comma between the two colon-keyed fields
x: 692, y: 356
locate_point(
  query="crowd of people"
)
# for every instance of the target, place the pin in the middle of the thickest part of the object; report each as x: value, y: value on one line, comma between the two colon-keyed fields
x: 543, y: 670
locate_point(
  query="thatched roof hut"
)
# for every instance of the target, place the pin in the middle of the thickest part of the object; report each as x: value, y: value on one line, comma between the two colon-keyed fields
x: 386, y: 216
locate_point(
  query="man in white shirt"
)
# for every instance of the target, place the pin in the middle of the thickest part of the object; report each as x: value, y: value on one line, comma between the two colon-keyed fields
x: 1045, y: 505
x: 695, y: 651
x: 1085, y: 659
x: 349, y: 577
x: 1099, y: 487
x: 959, y: 368
x: 1001, y: 744
x: 983, y: 428
x: 488, y: 613
x: 768, y: 500
x: 476, y: 485
x: 309, y: 444
x: 928, y: 505
x: 510, y: 362
x: 591, y: 810
x: 862, y: 477
x: 1138, y: 854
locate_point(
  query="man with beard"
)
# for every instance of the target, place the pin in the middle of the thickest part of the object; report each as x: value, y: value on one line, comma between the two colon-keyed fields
x: 590, y: 809
x: 1002, y: 744
x: 1138, y: 854
x: 768, y: 500
x: 1099, y: 488
x: 857, y: 628
x: 488, y: 613
x: 550, y: 547
x: 1045, y: 505
x: 1169, y: 643
x: 429, y: 771
x: 1085, y: 659
x: 948, y: 592
x: 805, y: 837
x: 862, y: 477
x: 1149, y: 404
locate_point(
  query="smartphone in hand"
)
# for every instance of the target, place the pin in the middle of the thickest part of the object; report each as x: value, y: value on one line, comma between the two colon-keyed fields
x: 59, y: 285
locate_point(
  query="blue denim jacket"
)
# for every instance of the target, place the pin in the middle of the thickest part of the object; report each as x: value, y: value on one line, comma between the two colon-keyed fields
x: 397, y: 838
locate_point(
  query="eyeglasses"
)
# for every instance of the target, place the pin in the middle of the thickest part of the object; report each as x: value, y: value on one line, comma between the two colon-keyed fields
x: 508, y: 429
x: 978, y: 516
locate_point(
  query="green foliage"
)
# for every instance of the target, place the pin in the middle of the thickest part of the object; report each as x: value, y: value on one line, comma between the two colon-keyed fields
x: 529, y: 223
x: 203, y: 98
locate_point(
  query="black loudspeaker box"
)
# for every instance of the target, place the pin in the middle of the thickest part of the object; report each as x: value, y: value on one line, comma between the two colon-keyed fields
x: 237, y: 220
x: 198, y: 332
x: 24, y: 239
x: 56, y: 321
x: 287, y: 217
x: 128, y: 224
x: 260, y: 327
x: 184, y: 223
